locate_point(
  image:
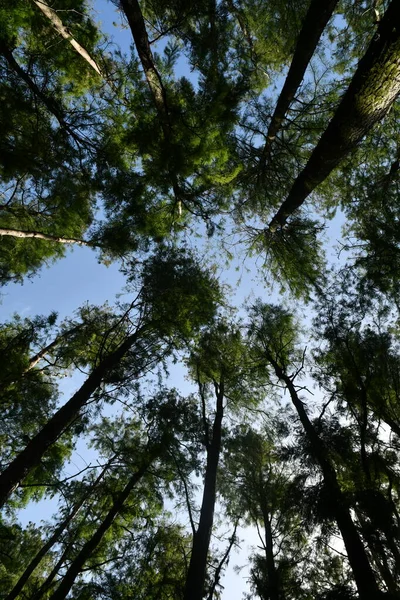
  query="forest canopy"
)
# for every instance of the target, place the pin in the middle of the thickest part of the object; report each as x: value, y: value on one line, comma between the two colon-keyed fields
x: 236, y: 408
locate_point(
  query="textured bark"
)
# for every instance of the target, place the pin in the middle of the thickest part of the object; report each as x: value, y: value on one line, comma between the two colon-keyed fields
x: 194, y: 589
x: 316, y: 19
x: 31, y: 456
x: 53, y: 539
x: 372, y: 91
x: 363, y: 574
x: 91, y: 545
x: 66, y: 34
x: 18, y: 233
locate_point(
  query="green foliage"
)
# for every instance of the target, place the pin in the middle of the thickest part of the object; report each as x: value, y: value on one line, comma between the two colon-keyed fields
x: 135, y: 170
x: 180, y: 295
x: 274, y: 330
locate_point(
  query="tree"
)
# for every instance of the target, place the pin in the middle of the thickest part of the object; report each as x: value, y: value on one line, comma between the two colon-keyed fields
x: 221, y: 368
x: 222, y: 114
x: 373, y: 89
x: 175, y: 299
x: 315, y: 21
x: 274, y: 335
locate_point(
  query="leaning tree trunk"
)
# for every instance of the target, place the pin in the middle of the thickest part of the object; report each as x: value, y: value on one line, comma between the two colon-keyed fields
x: 58, y: 25
x: 316, y: 19
x: 36, y: 358
x: 38, y: 235
x: 363, y: 574
x: 137, y: 25
x: 378, y: 553
x: 53, y: 539
x: 90, y: 546
x: 196, y: 575
x: 273, y: 583
x: 371, y: 93
x: 47, y: 101
x: 31, y: 456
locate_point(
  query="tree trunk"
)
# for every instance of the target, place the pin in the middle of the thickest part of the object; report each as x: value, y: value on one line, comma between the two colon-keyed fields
x: 372, y: 91
x: 363, y: 574
x: 48, y: 102
x: 378, y: 554
x: 66, y: 34
x: 18, y: 233
x: 31, y: 456
x: 273, y: 584
x: 195, y: 580
x: 137, y: 25
x: 91, y: 545
x: 53, y: 539
x: 36, y: 358
x: 48, y: 582
x: 316, y: 19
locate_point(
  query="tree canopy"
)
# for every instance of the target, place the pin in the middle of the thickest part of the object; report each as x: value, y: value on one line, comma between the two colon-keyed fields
x: 200, y: 145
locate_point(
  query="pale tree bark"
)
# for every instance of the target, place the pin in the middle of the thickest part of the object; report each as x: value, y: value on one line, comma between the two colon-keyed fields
x: 66, y: 34
x: 40, y: 355
x: 36, y: 358
x: 316, y: 19
x: 19, y: 233
x: 137, y: 25
x: 371, y: 93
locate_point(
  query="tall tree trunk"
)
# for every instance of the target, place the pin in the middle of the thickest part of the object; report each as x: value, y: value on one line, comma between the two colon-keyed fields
x: 31, y: 456
x: 18, y: 233
x: 53, y: 539
x: 363, y: 574
x: 91, y: 545
x: 195, y: 580
x: 36, y: 358
x: 137, y: 25
x: 273, y: 584
x: 223, y: 560
x: 48, y: 582
x: 372, y: 91
x: 316, y: 19
x: 378, y: 553
x: 66, y: 34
